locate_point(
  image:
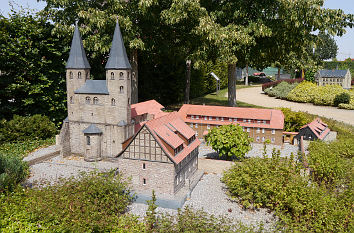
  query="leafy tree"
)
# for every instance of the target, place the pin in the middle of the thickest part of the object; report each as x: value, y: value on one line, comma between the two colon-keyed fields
x: 229, y: 140
x: 294, y: 120
x: 326, y: 48
x: 31, y: 64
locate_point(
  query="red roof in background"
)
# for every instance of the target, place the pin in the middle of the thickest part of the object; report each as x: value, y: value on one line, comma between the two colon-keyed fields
x: 276, y: 117
x: 318, y: 127
x: 164, y: 128
x: 150, y: 106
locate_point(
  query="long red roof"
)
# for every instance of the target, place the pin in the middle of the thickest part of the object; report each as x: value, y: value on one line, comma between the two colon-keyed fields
x: 274, y: 116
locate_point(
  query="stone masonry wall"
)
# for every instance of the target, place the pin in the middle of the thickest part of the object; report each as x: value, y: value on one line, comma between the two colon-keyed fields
x: 158, y: 176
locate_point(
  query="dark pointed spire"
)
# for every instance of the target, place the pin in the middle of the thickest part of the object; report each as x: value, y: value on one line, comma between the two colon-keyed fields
x: 77, y: 58
x: 118, y: 56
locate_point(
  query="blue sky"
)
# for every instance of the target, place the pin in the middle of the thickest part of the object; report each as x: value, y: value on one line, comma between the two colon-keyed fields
x: 345, y: 43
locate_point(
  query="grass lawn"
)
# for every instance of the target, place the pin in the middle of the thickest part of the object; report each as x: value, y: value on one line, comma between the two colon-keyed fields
x: 215, y: 99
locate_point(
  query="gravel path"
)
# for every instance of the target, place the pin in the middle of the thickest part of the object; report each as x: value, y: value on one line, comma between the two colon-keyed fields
x: 209, y: 195
x: 254, y: 96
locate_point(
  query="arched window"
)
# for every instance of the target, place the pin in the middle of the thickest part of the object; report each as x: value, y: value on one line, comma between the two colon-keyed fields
x: 121, y: 75
x: 79, y: 75
x: 71, y: 75
x: 71, y: 100
x: 88, y: 100
x: 95, y: 100
x: 113, y: 102
x: 112, y: 75
x: 121, y: 89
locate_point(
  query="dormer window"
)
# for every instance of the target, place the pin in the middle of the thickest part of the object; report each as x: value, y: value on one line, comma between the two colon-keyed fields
x: 112, y: 75
x: 88, y: 100
x: 121, y: 75
x: 71, y: 76
x: 95, y: 100
x: 113, y: 102
x: 121, y: 89
x: 79, y: 75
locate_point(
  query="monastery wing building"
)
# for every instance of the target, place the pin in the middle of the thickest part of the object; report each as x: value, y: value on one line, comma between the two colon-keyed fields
x: 261, y: 124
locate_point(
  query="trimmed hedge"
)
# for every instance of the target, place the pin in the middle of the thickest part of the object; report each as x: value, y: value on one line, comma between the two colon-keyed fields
x: 26, y: 128
x: 281, y: 90
x: 304, y: 92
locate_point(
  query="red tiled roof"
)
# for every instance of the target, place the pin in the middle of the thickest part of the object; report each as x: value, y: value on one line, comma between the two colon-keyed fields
x: 163, y: 129
x: 318, y: 127
x: 150, y: 106
x: 275, y: 116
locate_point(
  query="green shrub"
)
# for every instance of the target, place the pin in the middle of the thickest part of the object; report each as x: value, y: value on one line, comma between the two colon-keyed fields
x: 342, y: 98
x: 325, y: 95
x: 26, y: 128
x: 304, y: 92
x: 280, y: 185
x: 293, y: 121
x: 230, y: 141
x: 12, y: 171
x: 281, y: 90
x: 349, y: 106
x: 92, y: 202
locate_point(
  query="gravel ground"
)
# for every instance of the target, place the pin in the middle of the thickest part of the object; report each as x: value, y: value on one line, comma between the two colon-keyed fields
x: 256, y: 151
x: 215, y: 201
x: 58, y: 167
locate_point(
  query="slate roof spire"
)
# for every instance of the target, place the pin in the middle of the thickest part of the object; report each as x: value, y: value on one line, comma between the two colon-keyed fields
x: 77, y: 58
x: 118, y: 56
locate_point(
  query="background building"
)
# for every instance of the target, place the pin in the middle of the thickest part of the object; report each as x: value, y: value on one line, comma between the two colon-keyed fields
x: 334, y: 77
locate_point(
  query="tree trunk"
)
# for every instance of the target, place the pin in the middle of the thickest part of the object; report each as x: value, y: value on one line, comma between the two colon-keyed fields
x: 278, y: 73
x: 246, y: 78
x: 231, y: 85
x: 134, y: 79
x: 188, y: 81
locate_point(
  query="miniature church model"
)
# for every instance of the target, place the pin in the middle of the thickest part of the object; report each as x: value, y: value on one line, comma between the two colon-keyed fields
x: 99, y: 114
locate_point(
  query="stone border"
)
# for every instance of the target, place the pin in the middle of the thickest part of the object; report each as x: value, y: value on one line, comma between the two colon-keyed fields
x: 42, y: 154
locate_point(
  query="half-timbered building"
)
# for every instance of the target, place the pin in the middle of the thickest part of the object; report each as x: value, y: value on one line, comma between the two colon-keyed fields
x: 162, y: 156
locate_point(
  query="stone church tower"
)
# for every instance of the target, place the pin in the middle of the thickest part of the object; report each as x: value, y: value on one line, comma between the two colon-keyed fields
x: 99, y: 113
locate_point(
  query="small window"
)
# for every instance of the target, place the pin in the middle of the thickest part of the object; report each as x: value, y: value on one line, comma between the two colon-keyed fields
x: 244, y: 120
x: 210, y: 118
x: 249, y: 120
x: 88, y: 140
x: 121, y: 89
x: 196, y: 133
x: 144, y: 166
x: 208, y: 126
x: 95, y: 100
x: 112, y: 75
x: 263, y: 139
x: 128, y: 100
x: 258, y: 130
x: 71, y: 76
x: 191, y: 125
x: 217, y: 118
x: 230, y: 119
x: 121, y: 75
x: 262, y: 130
x: 273, y: 131
x: 257, y: 139
x: 71, y: 100
x: 196, y: 125
x: 79, y: 75
x: 264, y: 122
x: 248, y: 129
x: 222, y: 119
x: 88, y: 100
x: 128, y: 76
x: 273, y: 140
x: 113, y: 102
x: 205, y: 118
x: 197, y: 117
x: 144, y: 181
x: 235, y: 120
x: 192, y: 117
x: 87, y: 75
